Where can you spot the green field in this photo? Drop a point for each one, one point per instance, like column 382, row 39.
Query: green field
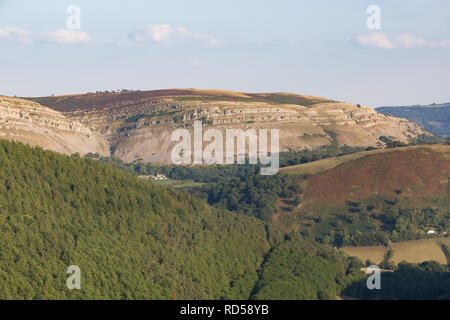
column 415, row 251
column 178, row 183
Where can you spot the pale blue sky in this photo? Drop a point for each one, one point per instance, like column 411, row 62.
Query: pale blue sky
column 320, row 47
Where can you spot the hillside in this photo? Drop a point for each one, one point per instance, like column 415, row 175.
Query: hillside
column 372, row 197
column 315, row 167
column 31, row 123
column 135, row 240
column 415, row 173
column 433, row 118
column 138, row 124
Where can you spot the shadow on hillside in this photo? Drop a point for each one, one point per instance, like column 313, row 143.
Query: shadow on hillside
column 407, row 282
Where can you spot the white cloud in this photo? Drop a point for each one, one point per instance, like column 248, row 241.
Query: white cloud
column 442, row 43
column 376, row 40
column 14, row 34
column 160, row 33
column 60, row 36
column 208, row 40
column 382, row 41
column 153, row 33
column 66, row 36
column 408, row 41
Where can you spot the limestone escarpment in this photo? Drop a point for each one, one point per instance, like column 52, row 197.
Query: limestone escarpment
column 138, row 125
column 31, row 123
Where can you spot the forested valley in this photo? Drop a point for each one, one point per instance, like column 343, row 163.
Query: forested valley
column 134, row 239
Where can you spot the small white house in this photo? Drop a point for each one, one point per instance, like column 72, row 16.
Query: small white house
column 157, row 177
column 431, row 232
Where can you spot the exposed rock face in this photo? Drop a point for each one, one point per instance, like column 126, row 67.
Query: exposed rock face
column 31, row 123
column 138, row 125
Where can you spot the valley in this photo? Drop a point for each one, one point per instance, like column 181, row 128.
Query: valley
column 354, row 185
column 362, row 198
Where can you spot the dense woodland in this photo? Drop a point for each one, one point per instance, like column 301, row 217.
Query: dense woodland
column 135, row 240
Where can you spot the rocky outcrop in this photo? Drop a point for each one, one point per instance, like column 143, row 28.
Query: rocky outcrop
column 31, row 123
column 138, row 125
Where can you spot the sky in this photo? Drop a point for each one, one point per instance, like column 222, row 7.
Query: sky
column 395, row 55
